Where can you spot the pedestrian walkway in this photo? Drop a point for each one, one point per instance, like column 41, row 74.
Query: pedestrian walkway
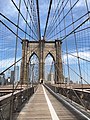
column 36, row 108
column 43, row 106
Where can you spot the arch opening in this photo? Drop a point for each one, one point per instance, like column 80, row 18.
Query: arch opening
column 50, row 54
column 33, row 69
column 49, row 68
column 34, row 54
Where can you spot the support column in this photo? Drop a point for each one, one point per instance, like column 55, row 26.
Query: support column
column 24, row 65
column 58, row 66
column 41, row 62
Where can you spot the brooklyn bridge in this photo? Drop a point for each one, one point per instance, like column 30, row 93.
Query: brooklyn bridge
column 44, row 59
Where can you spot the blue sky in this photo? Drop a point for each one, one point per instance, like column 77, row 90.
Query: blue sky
column 7, row 48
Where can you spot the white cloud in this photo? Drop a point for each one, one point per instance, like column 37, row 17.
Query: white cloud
column 4, row 49
column 7, row 8
column 5, row 63
column 8, row 49
column 73, row 60
column 82, row 3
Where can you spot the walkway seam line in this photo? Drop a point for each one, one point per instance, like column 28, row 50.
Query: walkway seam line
column 51, row 109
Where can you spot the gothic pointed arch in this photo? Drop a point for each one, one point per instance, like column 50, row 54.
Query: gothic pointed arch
column 49, row 53
column 34, row 53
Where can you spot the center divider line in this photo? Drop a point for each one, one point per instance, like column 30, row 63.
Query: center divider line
column 51, row 109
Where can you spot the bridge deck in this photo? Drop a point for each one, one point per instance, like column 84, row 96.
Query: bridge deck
column 43, row 106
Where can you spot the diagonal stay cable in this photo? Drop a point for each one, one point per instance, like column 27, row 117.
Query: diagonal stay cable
column 16, row 25
column 68, row 25
column 47, row 17
column 72, row 30
column 22, row 58
column 73, row 89
column 39, row 31
column 11, row 30
column 78, row 57
column 29, row 14
column 23, row 18
column 17, row 61
column 77, row 74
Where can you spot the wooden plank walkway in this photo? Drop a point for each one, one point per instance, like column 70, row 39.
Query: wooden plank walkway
column 40, row 108
column 36, row 108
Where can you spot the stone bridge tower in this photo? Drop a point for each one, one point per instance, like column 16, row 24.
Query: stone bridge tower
column 41, row 48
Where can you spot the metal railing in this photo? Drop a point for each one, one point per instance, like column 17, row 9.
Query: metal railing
column 19, row 99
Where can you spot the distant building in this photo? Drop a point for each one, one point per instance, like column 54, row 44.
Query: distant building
column 48, row 77
column 2, row 79
column 9, row 73
column 76, row 82
column 12, row 77
column 16, row 73
column 51, row 78
column 68, row 81
column 80, row 82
